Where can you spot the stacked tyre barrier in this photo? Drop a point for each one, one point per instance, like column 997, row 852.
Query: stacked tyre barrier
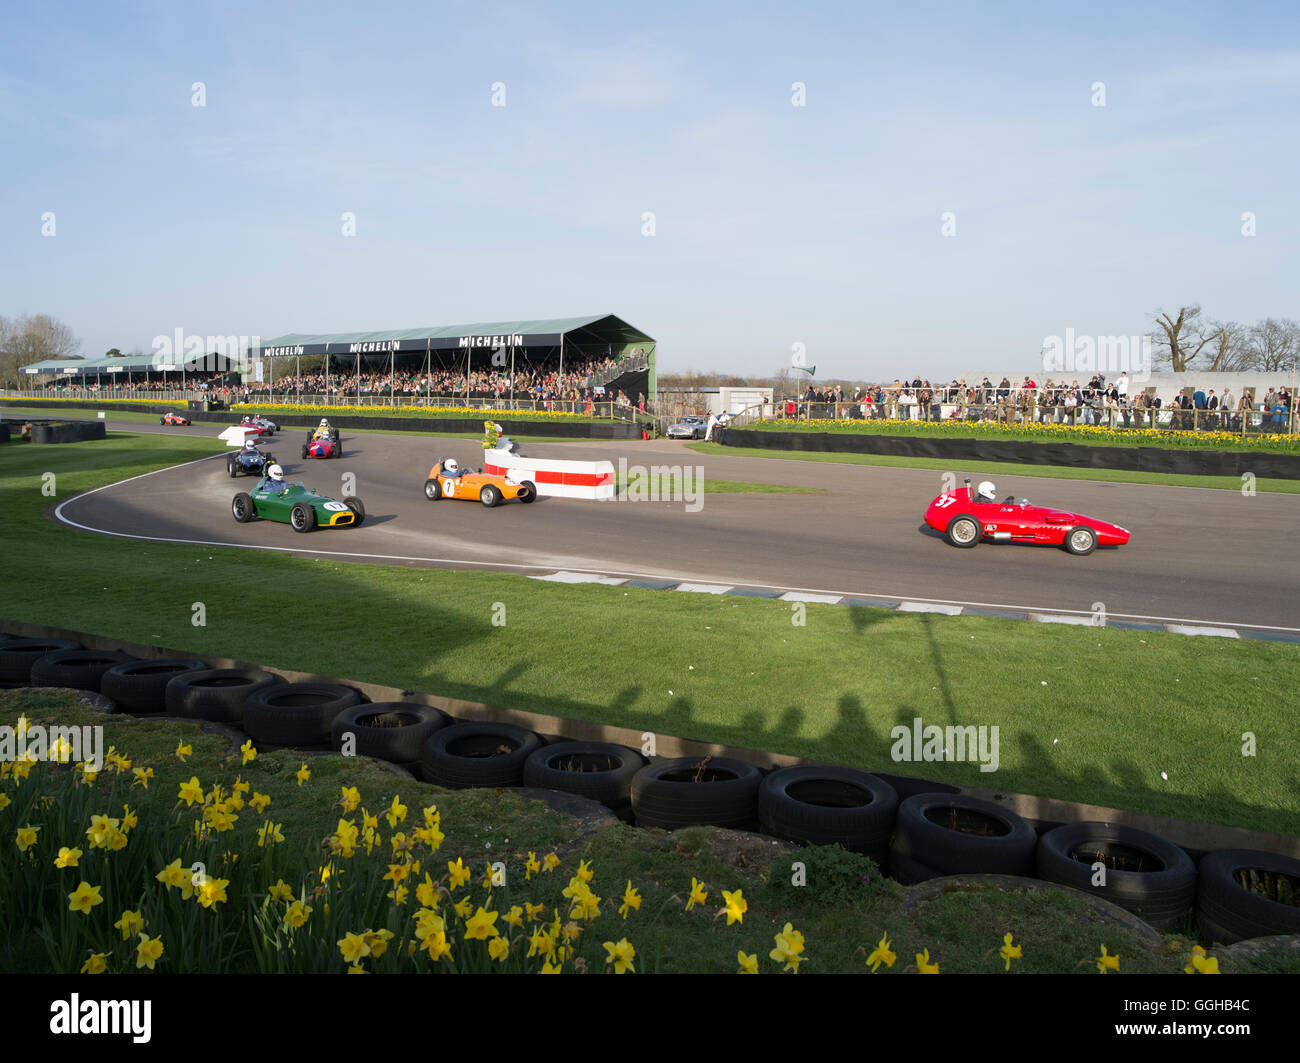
column 1232, row 895
column 68, row 432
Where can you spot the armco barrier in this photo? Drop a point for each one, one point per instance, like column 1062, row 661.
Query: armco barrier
column 1187, row 462
column 563, row 479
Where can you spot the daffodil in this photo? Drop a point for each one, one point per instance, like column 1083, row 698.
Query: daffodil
column 1107, row 962
column 463, row 907
column 350, row 799
column 427, row 893
column 190, row 792
column 249, row 751
column 459, row 873
column 378, row 941
column 67, row 857
column 697, row 895
column 584, row 871
column 302, row 774
column 298, row 913
column 95, row 963
column 498, row 949
column 269, row 834
column 531, row 867
column 148, row 951
column 183, row 751
column 281, row 891
column 353, row 947
column 514, row 917
column 881, row 954
column 736, row 906
column 923, row 964
column 533, row 911
column 1201, row 963
column 631, row 900
column 1009, row 951
column 142, row 776
column 396, row 812
column 550, row 862
column 129, row 819
column 789, row 949
column 748, row 962
column 620, row 954
column 259, row 802
column 212, row 891
column 84, row 898
column 130, row 924
column 26, row 837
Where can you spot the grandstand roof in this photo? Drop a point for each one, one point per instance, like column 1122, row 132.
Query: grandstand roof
column 597, row 329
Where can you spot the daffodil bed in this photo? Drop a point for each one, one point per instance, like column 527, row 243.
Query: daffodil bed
column 188, row 853
column 693, row 665
column 1092, row 435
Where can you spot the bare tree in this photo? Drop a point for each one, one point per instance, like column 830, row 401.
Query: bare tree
column 1273, row 344
column 1228, row 350
column 1180, row 338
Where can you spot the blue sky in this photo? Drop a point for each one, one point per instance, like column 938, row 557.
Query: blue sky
column 775, row 224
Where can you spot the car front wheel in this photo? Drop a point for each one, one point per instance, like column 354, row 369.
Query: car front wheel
column 432, row 491
column 242, row 508
column 489, row 496
column 1081, row 541
column 963, row 531
column 302, row 517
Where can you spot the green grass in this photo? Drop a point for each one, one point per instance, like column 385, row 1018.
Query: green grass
column 672, row 487
column 1006, row 468
column 841, row 916
column 1118, row 708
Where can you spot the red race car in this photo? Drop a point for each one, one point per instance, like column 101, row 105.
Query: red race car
column 173, row 418
column 966, row 516
column 330, row 446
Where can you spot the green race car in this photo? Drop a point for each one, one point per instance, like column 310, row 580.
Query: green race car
column 296, row 505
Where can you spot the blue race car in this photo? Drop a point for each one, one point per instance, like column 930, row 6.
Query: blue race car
column 248, row 460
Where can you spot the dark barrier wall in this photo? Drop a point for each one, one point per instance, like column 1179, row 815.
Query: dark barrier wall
column 566, row 429
column 1063, row 455
column 4, row 432
column 68, row 432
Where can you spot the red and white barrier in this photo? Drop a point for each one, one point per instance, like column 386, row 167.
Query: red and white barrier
column 563, row 479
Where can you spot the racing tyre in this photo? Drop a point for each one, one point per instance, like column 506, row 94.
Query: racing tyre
column 338, row 450
column 1246, row 894
column 827, row 805
column 390, row 730
column 598, row 770
column 216, row 694
column 17, row 655
column 302, row 517
column 242, row 508
column 467, row 755
column 963, row 530
column 296, row 714
column 489, row 496
column 304, row 450
column 355, row 505
column 1081, row 540
column 529, row 492
column 687, row 791
column 1145, row 874
column 162, row 420
column 959, row 835
column 140, row 687
column 432, row 491
column 908, row 872
column 78, row 669
column 232, row 469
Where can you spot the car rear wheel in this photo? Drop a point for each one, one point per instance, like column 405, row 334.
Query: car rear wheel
column 355, row 505
column 489, row 496
column 231, row 468
column 963, row 531
column 1081, row 540
column 528, row 492
column 432, row 491
column 304, row 450
column 242, row 508
column 338, row 450
column 302, row 517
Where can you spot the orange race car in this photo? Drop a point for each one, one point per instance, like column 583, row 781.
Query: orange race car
column 448, row 480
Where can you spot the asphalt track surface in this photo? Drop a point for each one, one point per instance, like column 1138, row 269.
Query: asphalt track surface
column 1197, row 556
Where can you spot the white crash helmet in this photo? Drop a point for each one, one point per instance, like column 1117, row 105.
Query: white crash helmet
column 324, row 423
column 987, row 490
column 450, row 465
column 275, row 472
column 250, row 444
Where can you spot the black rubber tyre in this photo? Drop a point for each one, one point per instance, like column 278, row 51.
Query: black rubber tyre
column 241, row 507
column 304, row 450
column 338, row 449
column 489, row 496
column 908, row 872
column 78, row 669
column 356, row 506
column 232, row 468
column 601, row 771
column 17, row 655
column 1160, row 888
column 963, row 531
column 531, row 488
column 334, row 435
column 162, row 420
column 296, row 714
column 390, row 730
column 302, row 518
column 919, row 835
column 432, row 490
column 665, row 794
column 217, row 694
column 827, row 805
column 140, row 687
column 1222, row 904
column 467, row 755
column 1080, row 540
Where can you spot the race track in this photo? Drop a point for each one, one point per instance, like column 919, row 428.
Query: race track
column 1198, row 556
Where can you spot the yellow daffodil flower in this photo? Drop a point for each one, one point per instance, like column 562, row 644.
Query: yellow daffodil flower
column 748, row 962
column 259, row 802
column 84, row 898
column 1009, row 951
column 498, row 949
column 697, row 895
column 183, row 751
column 353, row 947
column 95, row 963
column 302, row 774
column 26, row 837
column 1201, row 963
column 736, row 906
column 298, row 913
column 67, row 857
column 190, row 792
column 130, row 924
column 531, row 867
column 620, row 954
column 249, row 751
column 631, row 900
column 881, row 954
column 212, row 891
column 550, row 862
column 459, row 873
column 396, row 812
column 350, row 799
column 1107, row 962
column 148, row 951
column 923, row 964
